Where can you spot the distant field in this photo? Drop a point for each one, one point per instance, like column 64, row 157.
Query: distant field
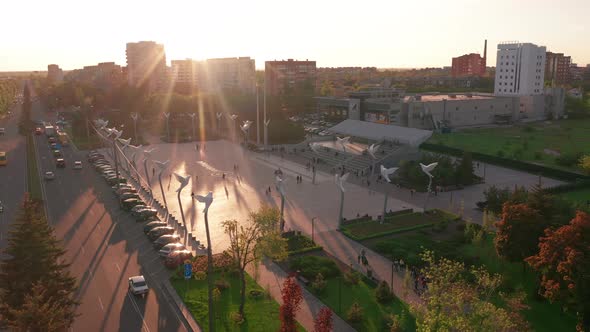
column 538, row 142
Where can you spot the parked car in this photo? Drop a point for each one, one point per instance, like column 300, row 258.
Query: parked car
column 159, row 231
column 38, row 131
column 139, row 207
column 170, row 247
column 122, row 186
column 77, row 164
column 177, row 257
column 144, row 214
column 52, row 140
column 60, row 162
column 57, row 153
column 95, row 158
column 138, row 286
column 112, row 180
column 49, row 175
column 165, row 239
column 128, row 204
column 127, row 195
column 153, row 224
column 53, row 146
column 124, row 190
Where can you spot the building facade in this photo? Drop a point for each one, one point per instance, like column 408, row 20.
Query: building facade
column 230, row 75
column 146, row 65
column 557, row 68
column 289, row 76
column 520, row 69
column 185, row 72
column 469, row 65
column 54, row 73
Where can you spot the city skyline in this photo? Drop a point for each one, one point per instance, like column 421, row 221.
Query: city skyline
column 380, row 34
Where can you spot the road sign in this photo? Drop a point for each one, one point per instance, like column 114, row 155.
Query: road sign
column 188, row 271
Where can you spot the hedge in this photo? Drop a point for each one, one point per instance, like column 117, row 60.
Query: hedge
column 367, row 218
column 305, row 250
column 391, row 232
column 509, row 163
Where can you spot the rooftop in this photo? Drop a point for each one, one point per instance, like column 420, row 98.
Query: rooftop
column 451, row 96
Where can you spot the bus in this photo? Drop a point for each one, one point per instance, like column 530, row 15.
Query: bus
column 63, row 138
column 3, row 158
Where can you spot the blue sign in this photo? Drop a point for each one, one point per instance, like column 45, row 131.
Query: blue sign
column 188, row 271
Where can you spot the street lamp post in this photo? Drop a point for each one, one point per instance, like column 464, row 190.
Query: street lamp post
column 208, row 200
column 135, row 116
column 183, row 183
column 117, row 134
column 371, row 151
column 385, row 173
column 162, row 166
column 257, row 117
column 148, row 154
column 245, row 127
column 192, row 115
column 218, row 117
column 280, row 185
column 167, row 116
column 340, row 184
column 427, row 169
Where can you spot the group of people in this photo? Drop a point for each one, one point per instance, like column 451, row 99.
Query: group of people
column 299, row 179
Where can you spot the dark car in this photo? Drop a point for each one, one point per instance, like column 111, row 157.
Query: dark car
column 153, row 224
column 57, row 153
column 53, row 146
column 125, row 190
column 165, row 239
column 177, row 257
column 38, row 131
column 159, row 231
column 127, row 195
column 95, row 157
column 144, row 214
column 128, row 204
column 52, row 140
column 60, row 162
column 113, row 180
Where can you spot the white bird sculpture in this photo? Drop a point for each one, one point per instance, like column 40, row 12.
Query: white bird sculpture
column 233, row 117
column 372, row 150
column 315, row 147
column 125, row 143
column 246, row 126
column 205, row 199
column 428, row 169
column 102, row 123
column 280, row 185
column 386, row 172
column 340, row 181
column 183, row 181
column 266, row 123
column 219, row 115
column 162, row 165
column 148, row 152
column 117, row 133
column 343, row 141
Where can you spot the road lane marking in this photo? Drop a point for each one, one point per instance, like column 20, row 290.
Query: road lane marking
column 118, row 268
column 100, row 302
column 136, row 307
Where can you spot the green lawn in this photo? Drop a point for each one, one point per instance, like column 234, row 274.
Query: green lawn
column 261, row 314
column 525, row 143
column 364, row 230
column 580, row 196
column 339, row 297
column 542, row 315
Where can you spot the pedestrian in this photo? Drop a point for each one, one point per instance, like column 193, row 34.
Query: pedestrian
column 153, row 172
column 269, row 191
column 223, row 176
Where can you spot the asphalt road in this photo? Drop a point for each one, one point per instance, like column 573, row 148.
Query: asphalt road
column 105, row 246
column 13, row 175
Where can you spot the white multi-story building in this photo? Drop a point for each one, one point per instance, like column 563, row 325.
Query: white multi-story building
column 520, row 69
column 146, row 64
column 231, row 74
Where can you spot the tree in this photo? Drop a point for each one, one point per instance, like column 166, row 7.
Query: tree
column 460, row 299
column 538, row 199
column 250, row 243
column 323, row 321
column 495, row 198
column 464, row 170
column 319, row 284
column 585, row 163
column 383, row 292
column 34, row 273
column 292, row 297
column 518, row 232
column 564, row 261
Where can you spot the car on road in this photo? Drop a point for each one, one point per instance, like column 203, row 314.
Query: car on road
column 38, row 131
column 2, row 131
column 60, row 162
column 49, row 175
column 1, row 207
column 170, row 247
column 125, row 190
column 139, row 207
column 57, row 153
column 123, row 186
column 153, row 224
column 177, row 257
column 3, row 161
column 53, row 146
column 77, row 164
column 138, row 286
column 113, row 180
column 125, row 196
column 165, row 239
column 52, row 140
column 128, row 204
column 155, row 233
column 144, row 214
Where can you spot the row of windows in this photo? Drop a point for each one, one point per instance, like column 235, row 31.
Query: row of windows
column 507, row 63
column 512, row 77
column 507, row 57
column 505, row 83
column 502, row 70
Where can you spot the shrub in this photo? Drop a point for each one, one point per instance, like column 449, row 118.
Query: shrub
column 568, row 159
column 200, row 275
column 352, row 277
column 528, row 129
column 355, row 314
column 237, row 318
column 538, row 155
column 383, row 292
column 310, row 266
column 319, row 284
column 221, row 284
column 500, row 153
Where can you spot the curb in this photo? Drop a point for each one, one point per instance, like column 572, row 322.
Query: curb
column 192, row 323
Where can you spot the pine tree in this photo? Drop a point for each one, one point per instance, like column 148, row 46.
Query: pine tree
column 35, row 262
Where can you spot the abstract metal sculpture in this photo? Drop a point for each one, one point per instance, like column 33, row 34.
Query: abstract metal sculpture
column 428, row 170
column 183, row 180
column 386, row 173
column 339, row 180
column 245, row 127
column 371, row 151
column 343, row 142
column 162, row 166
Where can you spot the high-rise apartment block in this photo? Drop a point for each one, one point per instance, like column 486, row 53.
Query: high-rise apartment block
column 520, row 69
column 54, row 73
column 282, row 76
column 185, row 72
column 233, row 75
column 471, row 64
column 146, row 64
column 557, row 68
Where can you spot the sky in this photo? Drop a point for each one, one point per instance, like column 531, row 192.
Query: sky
column 384, row 34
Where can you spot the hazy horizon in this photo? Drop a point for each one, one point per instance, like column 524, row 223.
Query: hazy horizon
column 380, row 34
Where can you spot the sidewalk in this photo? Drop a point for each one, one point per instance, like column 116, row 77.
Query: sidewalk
column 271, row 278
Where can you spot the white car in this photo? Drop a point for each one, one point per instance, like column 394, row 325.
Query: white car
column 137, row 208
column 49, row 175
column 77, row 164
column 2, row 131
column 138, row 286
column 170, row 247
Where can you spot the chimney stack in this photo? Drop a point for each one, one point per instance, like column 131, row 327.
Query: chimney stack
column 485, row 52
